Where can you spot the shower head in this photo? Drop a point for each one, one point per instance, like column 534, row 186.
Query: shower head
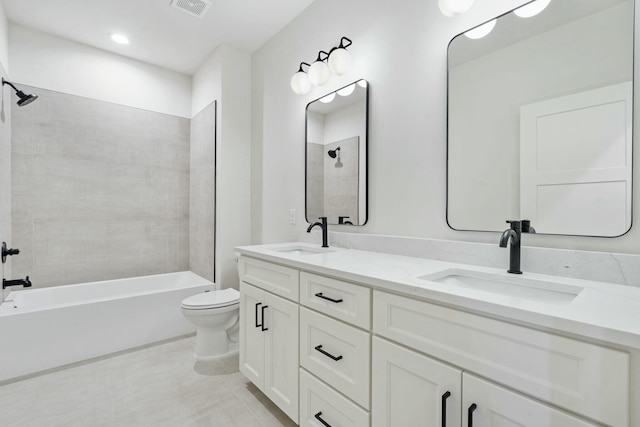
column 24, row 98
column 334, row 153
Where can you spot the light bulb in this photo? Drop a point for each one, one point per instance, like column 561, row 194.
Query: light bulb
column 340, row 61
column 346, row 91
column 319, row 73
column 362, row 83
column 327, row 99
column 532, row 9
column 452, row 8
column 300, row 83
column 481, row 31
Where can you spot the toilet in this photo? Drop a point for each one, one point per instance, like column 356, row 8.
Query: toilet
column 215, row 314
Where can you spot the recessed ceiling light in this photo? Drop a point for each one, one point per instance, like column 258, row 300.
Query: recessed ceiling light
column 119, row 38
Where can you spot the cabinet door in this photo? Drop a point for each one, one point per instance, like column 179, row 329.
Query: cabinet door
column 251, row 334
column 498, row 407
column 281, row 354
column 410, row 389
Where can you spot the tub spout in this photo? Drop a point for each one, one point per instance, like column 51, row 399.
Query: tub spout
column 25, row 283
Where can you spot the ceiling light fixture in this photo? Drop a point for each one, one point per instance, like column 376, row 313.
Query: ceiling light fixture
column 338, row 61
column 119, row 38
column 481, row 30
column 532, row 9
column 452, row 8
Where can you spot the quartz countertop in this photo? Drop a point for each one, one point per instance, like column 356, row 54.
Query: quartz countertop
column 601, row 311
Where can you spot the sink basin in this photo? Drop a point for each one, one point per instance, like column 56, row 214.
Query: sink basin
column 532, row 289
column 303, row 250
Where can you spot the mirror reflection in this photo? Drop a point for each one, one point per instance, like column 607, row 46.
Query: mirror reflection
column 336, row 156
column 540, row 120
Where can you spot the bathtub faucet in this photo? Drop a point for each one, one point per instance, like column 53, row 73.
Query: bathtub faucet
column 25, row 283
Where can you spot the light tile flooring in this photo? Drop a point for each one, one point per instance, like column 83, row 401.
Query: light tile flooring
column 160, row 385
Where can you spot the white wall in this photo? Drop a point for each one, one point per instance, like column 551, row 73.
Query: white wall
column 225, row 77
column 4, row 39
column 401, row 50
column 42, row 60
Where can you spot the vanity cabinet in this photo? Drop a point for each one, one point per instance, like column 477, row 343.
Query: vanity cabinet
column 269, row 334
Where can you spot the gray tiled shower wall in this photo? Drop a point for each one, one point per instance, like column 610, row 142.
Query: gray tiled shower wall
column 100, row 191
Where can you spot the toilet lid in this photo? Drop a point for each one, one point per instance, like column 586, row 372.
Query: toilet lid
column 212, row 299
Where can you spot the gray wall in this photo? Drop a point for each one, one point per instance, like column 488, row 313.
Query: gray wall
column 100, row 191
column 5, row 174
column 202, row 193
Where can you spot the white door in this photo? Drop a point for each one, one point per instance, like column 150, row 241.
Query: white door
column 490, row 405
column 281, row 353
column 575, row 162
column 409, row 389
column 251, row 334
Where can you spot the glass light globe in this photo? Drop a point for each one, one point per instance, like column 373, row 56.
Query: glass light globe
column 532, row 9
column 319, row 73
column 481, row 31
column 346, row 91
column 452, row 8
column 340, row 61
column 327, row 99
column 300, row 83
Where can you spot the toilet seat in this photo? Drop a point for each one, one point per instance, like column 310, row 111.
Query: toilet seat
column 213, row 299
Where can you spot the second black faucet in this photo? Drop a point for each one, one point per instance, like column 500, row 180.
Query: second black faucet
column 323, row 224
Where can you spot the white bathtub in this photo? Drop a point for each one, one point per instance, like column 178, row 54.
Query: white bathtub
column 46, row 328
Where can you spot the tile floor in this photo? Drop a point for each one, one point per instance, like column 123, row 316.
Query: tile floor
column 160, row 385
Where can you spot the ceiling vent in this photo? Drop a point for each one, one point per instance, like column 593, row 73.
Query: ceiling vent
column 193, row 7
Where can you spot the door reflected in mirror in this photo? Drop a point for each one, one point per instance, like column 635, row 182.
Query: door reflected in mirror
column 540, row 121
column 336, row 156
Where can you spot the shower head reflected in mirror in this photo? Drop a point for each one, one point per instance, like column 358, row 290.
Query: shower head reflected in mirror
column 24, row 99
column 334, row 153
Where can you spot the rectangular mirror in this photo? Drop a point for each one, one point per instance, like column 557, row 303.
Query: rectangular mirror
column 336, row 156
column 540, row 115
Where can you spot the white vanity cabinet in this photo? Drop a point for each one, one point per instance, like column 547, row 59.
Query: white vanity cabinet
column 269, row 333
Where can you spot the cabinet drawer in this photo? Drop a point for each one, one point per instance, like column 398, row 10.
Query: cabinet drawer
column 345, row 301
column 274, row 278
column 582, row 377
column 319, row 400
column 336, row 353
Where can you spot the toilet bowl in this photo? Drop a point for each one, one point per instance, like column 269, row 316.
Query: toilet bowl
column 215, row 315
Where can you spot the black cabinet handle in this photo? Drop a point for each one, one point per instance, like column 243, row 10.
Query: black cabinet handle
column 324, row 423
column 444, row 408
column 263, row 308
column 470, row 414
column 258, row 325
column 331, row 356
column 319, row 295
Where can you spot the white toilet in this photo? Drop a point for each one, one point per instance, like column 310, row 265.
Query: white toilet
column 215, row 314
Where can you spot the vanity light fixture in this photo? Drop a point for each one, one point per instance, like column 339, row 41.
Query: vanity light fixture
column 532, row 9
column 452, row 8
column 328, row 98
column 481, row 30
column 346, row 91
column 337, row 61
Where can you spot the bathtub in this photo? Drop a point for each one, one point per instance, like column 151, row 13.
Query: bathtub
column 46, row 328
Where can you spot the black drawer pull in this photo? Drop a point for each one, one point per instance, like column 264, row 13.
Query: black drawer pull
column 324, row 423
column 470, row 414
column 331, row 356
column 319, row 295
column 444, row 408
column 258, row 325
column 263, row 308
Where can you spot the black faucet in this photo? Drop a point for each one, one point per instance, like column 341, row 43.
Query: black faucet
column 323, row 224
column 343, row 220
column 513, row 235
column 25, row 283
column 8, row 252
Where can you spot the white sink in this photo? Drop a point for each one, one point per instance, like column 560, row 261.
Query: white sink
column 516, row 286
column 303, row 250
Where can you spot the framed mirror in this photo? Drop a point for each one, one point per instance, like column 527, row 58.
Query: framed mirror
column 540, row 119
column 336, row 156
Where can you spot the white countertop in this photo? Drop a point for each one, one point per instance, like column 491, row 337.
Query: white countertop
column 601, row 311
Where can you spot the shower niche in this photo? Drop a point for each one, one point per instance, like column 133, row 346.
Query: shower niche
column 336, row 156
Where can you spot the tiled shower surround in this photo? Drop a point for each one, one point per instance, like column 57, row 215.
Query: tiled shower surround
column 100, row 191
